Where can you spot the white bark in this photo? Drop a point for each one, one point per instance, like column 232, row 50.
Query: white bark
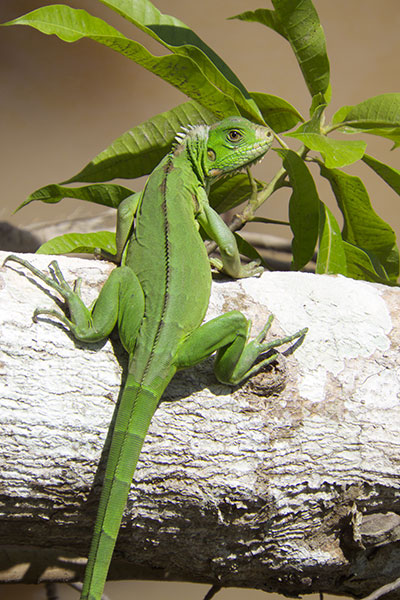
column 291, row 490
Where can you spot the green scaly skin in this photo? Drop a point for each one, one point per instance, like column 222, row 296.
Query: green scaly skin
column 159, row 296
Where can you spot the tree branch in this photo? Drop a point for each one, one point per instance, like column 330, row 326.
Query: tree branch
column 288, row 483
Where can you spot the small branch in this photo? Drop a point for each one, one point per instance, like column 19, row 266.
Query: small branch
column 52, row 591
column 78, row 587
column 280, row 141
column 385, row 589
column 213, row 591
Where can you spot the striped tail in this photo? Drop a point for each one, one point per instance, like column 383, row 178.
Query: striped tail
column 136, row 409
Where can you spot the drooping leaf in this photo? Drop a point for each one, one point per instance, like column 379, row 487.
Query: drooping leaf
column 277, row 113
column 392, row 264
column 390, row 133
column 336, row 153
column 248, row 250
column 71, row 24
column 298, row 22
column 331, row 258
column 364, row 265
column 137, row 151
column 181, row 40
column 379, row 115
column 82, row 243
column 303, row 209
column 390, row 175
column 362, row 226
column 105, row 194
column 226, row 194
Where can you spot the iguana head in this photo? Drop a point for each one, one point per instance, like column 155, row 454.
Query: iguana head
column 225, row 147
column 233, row 144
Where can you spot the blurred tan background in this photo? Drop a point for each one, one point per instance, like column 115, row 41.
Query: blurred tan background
column 61, row 104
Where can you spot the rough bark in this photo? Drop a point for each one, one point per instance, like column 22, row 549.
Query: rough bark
column 289, row 483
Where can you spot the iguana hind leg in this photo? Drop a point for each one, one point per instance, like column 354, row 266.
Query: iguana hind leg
column 237, row 358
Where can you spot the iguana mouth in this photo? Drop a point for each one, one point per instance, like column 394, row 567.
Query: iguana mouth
column 263, row 147
column 260, row 151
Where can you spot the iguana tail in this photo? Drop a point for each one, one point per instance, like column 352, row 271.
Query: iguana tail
column 135, row 411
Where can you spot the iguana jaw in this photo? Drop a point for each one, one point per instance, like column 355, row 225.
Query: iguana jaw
column 260, row 151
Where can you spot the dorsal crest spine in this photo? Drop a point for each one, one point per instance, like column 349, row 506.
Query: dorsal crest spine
column 190, row 131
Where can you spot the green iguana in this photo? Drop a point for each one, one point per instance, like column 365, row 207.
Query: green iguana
column 159, row 296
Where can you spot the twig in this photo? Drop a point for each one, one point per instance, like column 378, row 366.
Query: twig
column 52, row 591
column 78, row 586
column 385, row 589
column 212, row 591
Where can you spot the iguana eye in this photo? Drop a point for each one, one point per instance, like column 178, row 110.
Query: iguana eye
column 234, row 135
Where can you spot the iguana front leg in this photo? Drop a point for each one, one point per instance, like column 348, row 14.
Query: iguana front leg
column 218, row 231
column 126, row 212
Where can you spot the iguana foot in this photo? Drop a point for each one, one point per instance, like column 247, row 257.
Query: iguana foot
column 56, row 281
column 251, row 269
column 256, row 348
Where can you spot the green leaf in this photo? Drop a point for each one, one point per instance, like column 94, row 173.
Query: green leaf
column 320, row 99
column 183, row 41
column 379, row 115
column 83, row 243
column 392, row 134
column 137, row 151
column 229, row 193
column 363, row 265
column 340, row 115
column 336, row 153
column 331, row 257
column 277, row 113
column 362, row 226
column 105, row 194
column 264, row 16
column 392, row 264
column 390, row 175
column 378, row 111
column 248, row 250
column 180, row 71
column 298, row 22
column 314, row 125
column 303, row 209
